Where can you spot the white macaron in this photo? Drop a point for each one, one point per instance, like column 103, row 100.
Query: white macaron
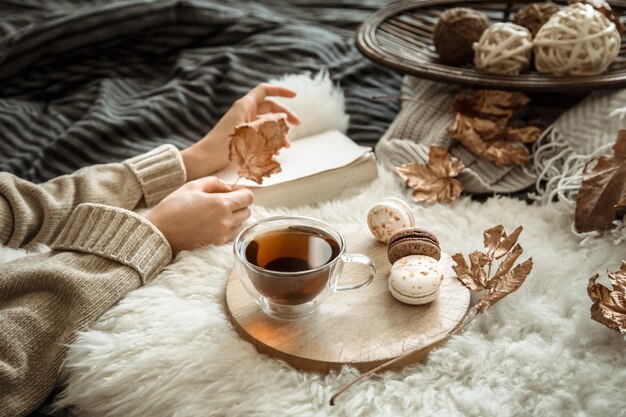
column 415, row 279
column 388, row 216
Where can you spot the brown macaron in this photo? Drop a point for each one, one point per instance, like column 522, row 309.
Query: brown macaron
column 412, row 241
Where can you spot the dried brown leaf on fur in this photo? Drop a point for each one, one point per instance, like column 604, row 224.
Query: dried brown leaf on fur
column 506, row 279
column 609, row 306
column 434, row 181
column 254, row 144
column 603, row 190
column 481, row 125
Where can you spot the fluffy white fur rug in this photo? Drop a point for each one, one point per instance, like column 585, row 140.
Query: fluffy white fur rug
column 168, row 348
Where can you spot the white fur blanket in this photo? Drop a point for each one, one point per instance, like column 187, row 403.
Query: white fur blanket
column 168, row 348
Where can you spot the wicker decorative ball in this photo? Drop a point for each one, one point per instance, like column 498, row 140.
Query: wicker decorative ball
column 455, row 32
column 578, row 40
column 534, row 15
column 504, row 48
column 603, row 7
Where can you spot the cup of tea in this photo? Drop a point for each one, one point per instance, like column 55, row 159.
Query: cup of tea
column 291, row 264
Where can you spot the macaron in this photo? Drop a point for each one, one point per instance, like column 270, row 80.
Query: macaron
column 415, row 279
column 413, row 241
column 388, row 216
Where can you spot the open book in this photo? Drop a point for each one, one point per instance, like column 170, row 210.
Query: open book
column 314, row 169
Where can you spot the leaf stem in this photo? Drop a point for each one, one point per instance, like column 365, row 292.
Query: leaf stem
column 236, row 181
column 466, row 320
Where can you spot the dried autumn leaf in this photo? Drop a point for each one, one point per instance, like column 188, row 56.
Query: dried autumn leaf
column 434, row 181
column 603, row 188
column 527, row 134
column 508, row 262
column 609, row 306
column 480, row 137
column 498, row 103
column 507, row 243
column 492, row 238
column 503, row 285
column 506, row 278
column 503, row 153
column 481, row 125
column 254, row 144
column 464, row 275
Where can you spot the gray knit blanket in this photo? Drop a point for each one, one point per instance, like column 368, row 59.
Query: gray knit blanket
column 94, row 81
column 575, row 135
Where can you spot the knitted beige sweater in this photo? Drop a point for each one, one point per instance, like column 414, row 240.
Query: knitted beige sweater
column 100, row 252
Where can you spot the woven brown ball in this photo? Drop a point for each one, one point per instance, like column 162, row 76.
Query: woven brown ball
column 455, row 32
column 534, row 15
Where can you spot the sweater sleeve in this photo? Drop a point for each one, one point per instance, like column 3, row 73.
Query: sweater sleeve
column 31, row 214
column 101, row 254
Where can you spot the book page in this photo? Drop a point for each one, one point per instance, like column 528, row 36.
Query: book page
column 305, row 157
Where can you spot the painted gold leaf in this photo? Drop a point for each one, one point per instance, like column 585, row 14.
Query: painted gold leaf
column 503, row 285
column 434, row 181
column 492, row 237
column 508, row 262
column 609, row 306
column 506, row 278
column 253, row 146
column 507, row 243
column 464, row 275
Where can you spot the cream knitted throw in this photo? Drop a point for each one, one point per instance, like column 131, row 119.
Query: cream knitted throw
column 560, row 155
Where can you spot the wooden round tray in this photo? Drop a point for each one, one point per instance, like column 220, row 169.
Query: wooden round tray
column 399, row 36
column 361, row 328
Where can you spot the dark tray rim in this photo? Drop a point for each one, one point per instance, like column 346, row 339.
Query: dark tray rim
column 365, row 41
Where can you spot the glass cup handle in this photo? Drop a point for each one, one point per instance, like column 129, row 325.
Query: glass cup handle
column 357, row 259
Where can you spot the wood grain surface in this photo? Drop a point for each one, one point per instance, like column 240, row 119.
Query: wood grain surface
column 361, row 328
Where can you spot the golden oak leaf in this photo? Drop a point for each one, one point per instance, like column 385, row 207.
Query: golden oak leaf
column 434, row 181
column 254, row 144
column 609, row 306
column 502, row 285
column 603, row 190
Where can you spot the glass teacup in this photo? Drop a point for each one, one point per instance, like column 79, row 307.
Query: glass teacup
column 291, row 264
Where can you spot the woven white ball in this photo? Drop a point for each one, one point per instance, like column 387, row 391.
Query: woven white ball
column 578, row 40
column 503, row 48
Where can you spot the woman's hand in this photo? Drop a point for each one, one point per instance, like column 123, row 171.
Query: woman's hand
column 200, row 213
column 210, row 154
